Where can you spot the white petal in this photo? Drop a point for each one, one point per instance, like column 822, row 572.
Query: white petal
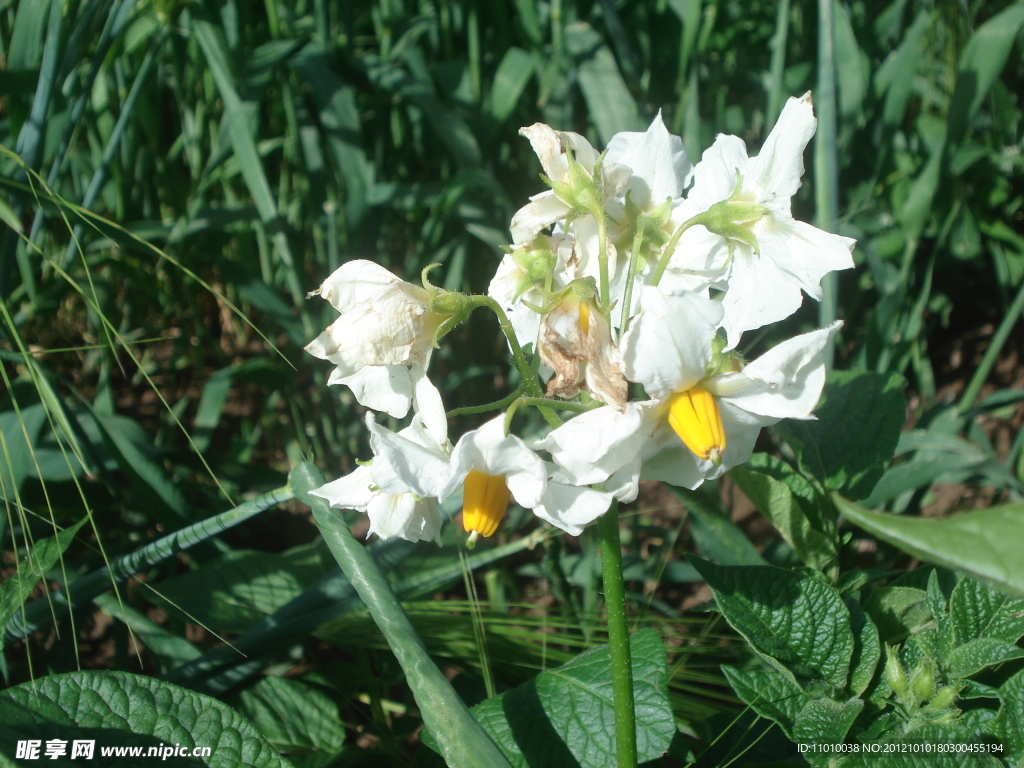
column 386, row 388
column 805, row 252
column 777, row 170
column 591, row 447
column 407, row 461
column 405, row 516
column 784, row 383
column 550, row 146
column 541, row 212
column 714, row 177
column 353, row 491
column 760, row 292
column 355, row 282
column 489, row 451
column 658, row 161
column 429, row 406
column 571, row 507
column 675, row 465
column 668, row 346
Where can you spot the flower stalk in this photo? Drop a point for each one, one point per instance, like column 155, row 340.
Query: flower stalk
column 618, row 637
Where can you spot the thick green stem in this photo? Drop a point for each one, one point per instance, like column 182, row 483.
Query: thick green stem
column 618, row 637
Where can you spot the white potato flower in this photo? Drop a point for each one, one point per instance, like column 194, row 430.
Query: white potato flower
column 398, row 489
column 749, row 235
column 382, row 342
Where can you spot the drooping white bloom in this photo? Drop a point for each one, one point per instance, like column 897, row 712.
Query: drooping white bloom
column 768, row 257
column 381, row 344
column 398, row 489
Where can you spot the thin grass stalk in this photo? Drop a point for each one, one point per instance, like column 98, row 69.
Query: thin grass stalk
column 992, row 353
column 618, row 637
column 462, row 742
column 88, row 587
column 826, row 162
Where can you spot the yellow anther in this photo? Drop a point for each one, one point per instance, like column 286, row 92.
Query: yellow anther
column 484, row 501
column 694, row 416
column 584, row 321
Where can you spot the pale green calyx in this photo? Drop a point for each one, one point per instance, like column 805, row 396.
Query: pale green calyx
column 722, row 361
column 451, row 308
column 582, row 191
column 536, row 261
column 734, row 218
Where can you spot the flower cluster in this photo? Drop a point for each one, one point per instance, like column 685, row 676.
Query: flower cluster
column 632, row 279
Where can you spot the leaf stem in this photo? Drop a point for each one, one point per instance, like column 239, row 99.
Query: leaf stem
column 618, row 637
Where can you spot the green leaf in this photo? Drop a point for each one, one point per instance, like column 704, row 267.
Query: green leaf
column 297, row 719
column 1011, row 718
column 716, row 536
column 855, row 435
column 826, row 720
column 241, row 587
column 980, row 64
column 43, row 555
column 510, row 79
column 19, row 432
column 867, row 648
column 974, row 655
column 121, row 709
column 787, row 499
column 173, row 649
column 985, row 543
column 769, row 693
column 462, row 742
column 561, row 718
column 609, row 103
column 147, row 476
column 898, row 611
column 798, row 624
column 978, row 611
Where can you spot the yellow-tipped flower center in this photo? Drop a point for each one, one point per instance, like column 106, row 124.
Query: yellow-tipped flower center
column 484, row 501
column 694, row 416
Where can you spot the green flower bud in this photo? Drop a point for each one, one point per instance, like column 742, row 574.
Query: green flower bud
column 895, row 674
column 945, row 697
column 922, row 682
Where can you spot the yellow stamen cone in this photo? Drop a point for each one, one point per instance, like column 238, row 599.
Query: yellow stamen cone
column 484, row 501
column 694, row 416
column 583, row 324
